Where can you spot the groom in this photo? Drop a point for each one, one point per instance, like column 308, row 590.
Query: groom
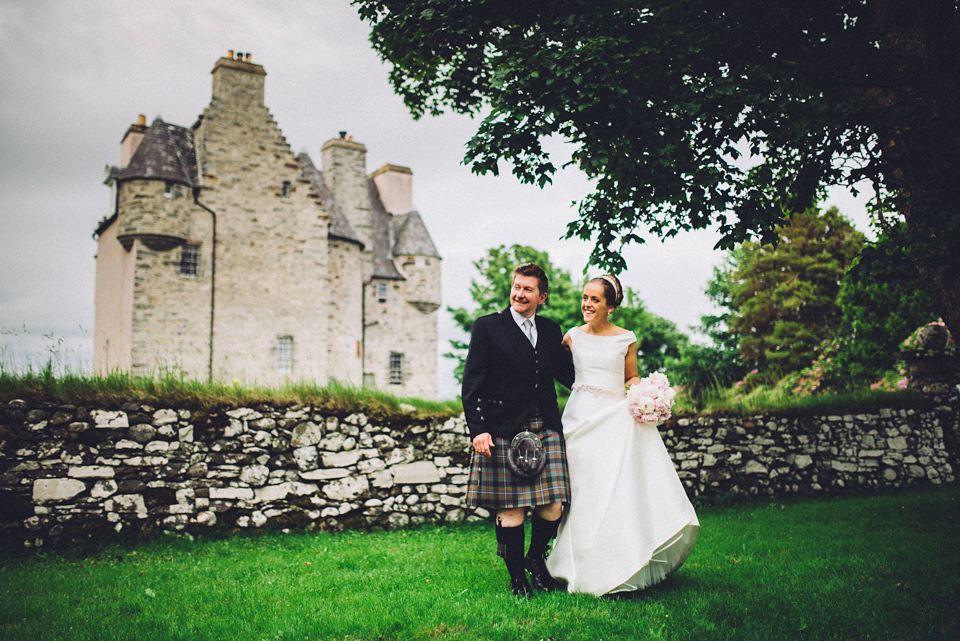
column 513, row 359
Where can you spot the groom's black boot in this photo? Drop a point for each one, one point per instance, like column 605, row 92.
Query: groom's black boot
column 510, row 549
column 541, row 533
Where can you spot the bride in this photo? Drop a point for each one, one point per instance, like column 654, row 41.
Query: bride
column 630, row 522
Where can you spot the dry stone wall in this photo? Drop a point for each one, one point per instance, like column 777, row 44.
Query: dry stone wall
column 70, row 472
column 775, row 456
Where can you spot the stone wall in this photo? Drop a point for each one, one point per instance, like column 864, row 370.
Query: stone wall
column 775, row 456
column 71, row 472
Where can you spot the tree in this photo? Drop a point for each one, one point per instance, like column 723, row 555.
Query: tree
column 658, row 340
column 881, row 303
column 783, row 296
column 688, row 113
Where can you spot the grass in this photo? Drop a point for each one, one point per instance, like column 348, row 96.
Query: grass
column 860, row 402
column 768, row 400
column 880, row 567
column 172, row 390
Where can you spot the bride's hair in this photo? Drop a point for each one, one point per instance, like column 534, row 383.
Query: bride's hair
column 612, row 291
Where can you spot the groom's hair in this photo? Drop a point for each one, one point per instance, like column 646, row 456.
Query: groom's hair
column 532, row 269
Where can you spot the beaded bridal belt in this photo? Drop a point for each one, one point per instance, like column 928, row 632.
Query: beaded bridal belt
column 606, row 392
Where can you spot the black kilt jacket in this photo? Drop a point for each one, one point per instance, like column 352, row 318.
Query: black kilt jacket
column 505, row 378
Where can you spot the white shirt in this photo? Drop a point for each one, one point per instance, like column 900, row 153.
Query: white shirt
column 520, row 321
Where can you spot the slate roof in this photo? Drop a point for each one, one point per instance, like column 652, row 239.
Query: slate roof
column 166, row 152
column 339, row 225
column 411, row 237
column 381, row 236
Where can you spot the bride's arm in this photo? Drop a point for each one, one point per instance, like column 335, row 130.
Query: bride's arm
column 630, row 366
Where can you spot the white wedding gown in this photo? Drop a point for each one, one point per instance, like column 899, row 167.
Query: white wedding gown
column 630, row 522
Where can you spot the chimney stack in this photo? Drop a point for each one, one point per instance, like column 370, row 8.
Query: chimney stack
column 237, row 82
column 131, row 140
column 345, row 172
column 395, row 185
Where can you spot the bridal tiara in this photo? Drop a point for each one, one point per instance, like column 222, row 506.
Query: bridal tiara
column 613, row 281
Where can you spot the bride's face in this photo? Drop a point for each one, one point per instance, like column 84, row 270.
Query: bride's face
column 594, row 303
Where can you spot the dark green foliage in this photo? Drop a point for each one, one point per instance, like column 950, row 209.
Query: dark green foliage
column 783, row 297
column 882, row 303
column 698, row 112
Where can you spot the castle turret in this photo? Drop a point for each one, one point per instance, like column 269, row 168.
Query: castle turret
column 418, row 260
column 153, row 201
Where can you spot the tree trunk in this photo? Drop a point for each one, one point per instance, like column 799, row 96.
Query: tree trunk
column 943, row 284
column 917, row 122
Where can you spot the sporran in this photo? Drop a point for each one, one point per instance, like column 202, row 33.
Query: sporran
column 527, row 456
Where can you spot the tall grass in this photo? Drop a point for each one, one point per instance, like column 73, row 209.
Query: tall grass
column 719, row 400
column 173, row 390
column 883, row 567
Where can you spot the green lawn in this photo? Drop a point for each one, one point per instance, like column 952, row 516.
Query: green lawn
column 882, row 567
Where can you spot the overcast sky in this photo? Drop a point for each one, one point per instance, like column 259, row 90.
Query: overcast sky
column 74, row 75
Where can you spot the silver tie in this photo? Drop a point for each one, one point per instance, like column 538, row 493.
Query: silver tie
column 528, row 328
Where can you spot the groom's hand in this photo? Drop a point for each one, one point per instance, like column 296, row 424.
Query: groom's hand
column 483, row 443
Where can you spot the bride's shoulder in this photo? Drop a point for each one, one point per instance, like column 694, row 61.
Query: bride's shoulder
column 624, row 332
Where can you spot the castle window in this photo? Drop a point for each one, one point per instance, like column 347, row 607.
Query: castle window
column 285, row 190
column 284, row 350
column 171, row 189
column 382, row 292
column 190, row 260
column 396, row 368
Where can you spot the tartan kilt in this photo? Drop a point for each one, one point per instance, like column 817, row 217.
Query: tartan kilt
column 492, row 485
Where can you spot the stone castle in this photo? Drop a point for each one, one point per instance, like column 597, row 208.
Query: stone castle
column 227, row 257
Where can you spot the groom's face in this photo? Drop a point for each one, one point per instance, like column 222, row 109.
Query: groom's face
column 525, row 296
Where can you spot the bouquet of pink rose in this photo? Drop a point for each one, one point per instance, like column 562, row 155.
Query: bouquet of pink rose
column 650, row 400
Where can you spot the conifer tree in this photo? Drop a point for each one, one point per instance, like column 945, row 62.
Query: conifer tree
column 784, row 297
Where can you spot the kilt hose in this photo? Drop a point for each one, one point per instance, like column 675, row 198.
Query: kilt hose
column 492, row 485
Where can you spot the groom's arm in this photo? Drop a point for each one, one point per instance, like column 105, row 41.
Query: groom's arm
column 565, row 374
column 565, row 369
